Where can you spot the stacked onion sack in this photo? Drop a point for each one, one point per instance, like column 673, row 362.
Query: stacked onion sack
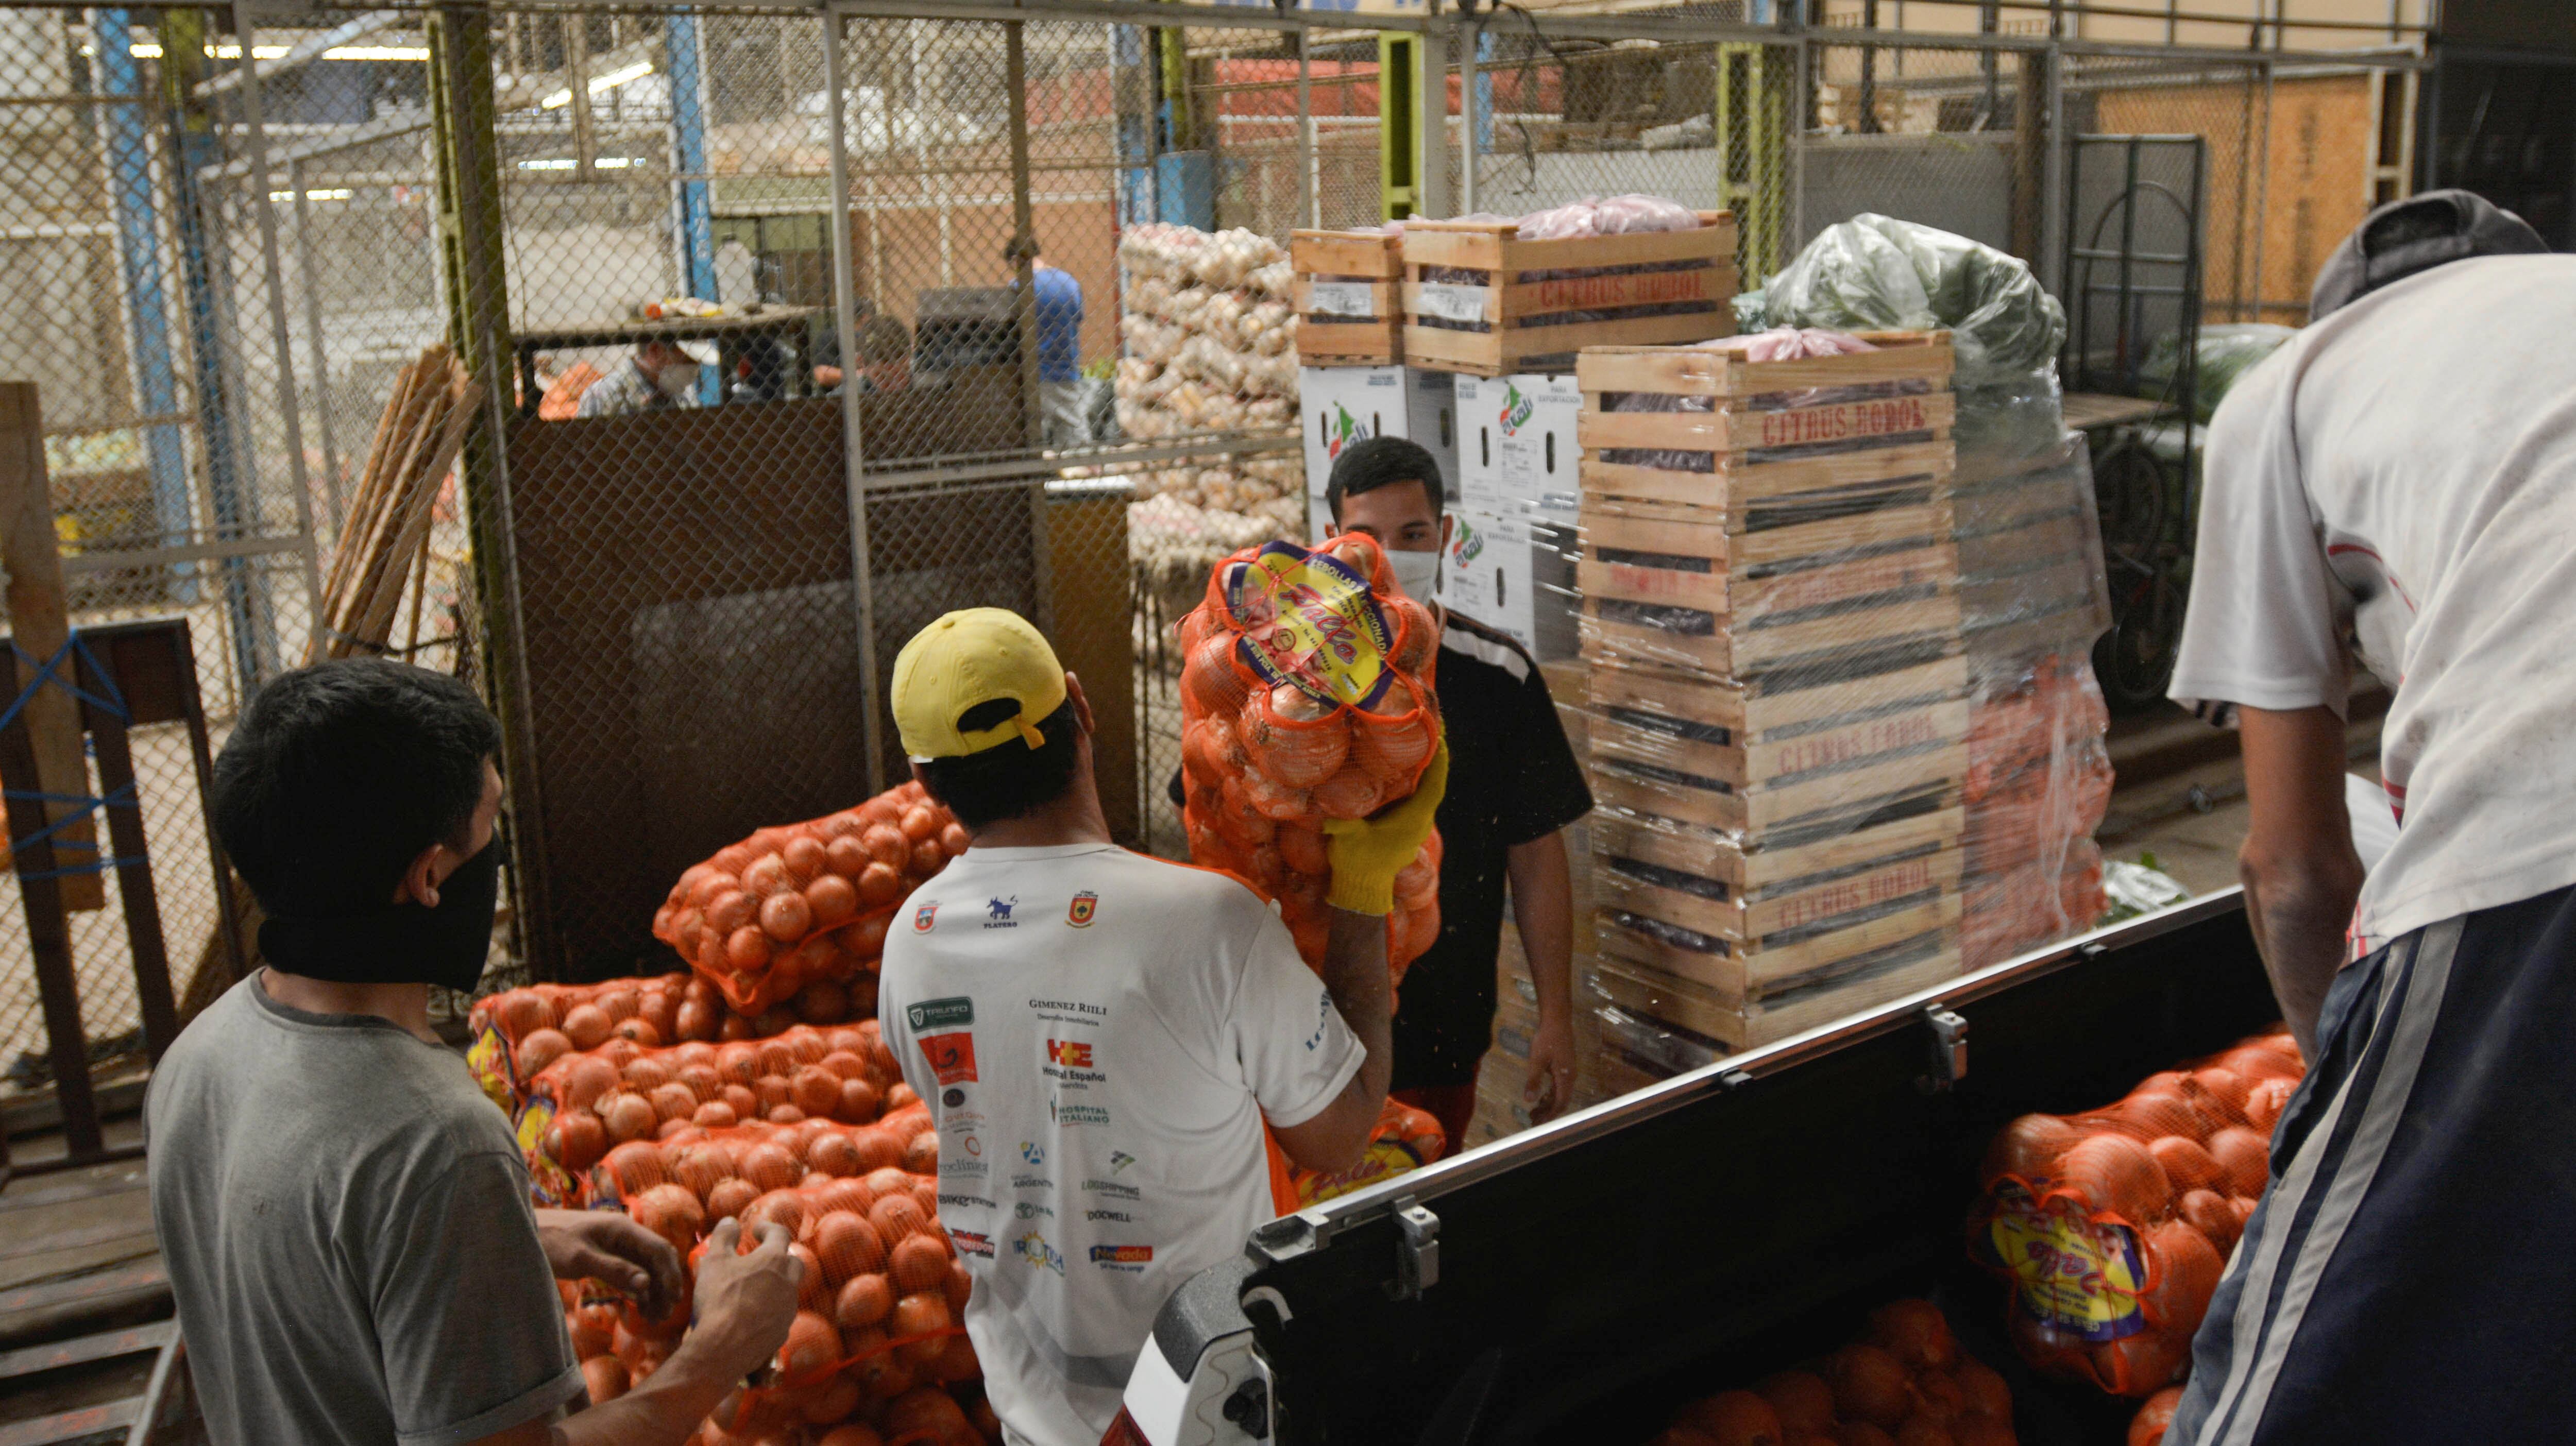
column 518, row 1032
column 1306, row 695
column 803, row 908
column 2147, row 1428
column 877, row 1353
column 1211, row 341
column 2112, row 1227
column 582, row 1106
column 1905, row 1382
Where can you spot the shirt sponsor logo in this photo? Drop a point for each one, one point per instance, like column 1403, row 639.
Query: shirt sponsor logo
column 1034, row 1249
column 1071, row 1006
column 1065, row 1114
column 963, row 1169
column 971, row 1242
column 1119, row 1160
column 1033, row 1152
column 1031, row 1182
column 1323, row 1017
column 952, row 1097
column 1112, row 1189
column 924, row 917
column 1085, row 905
column 1119, row 1216
column 946, row 1198
column 951, row 1057
column 948, row 1013
column 997, row 913
column 1031, row 1210
column 1071, row 1052
column 1121, row 1254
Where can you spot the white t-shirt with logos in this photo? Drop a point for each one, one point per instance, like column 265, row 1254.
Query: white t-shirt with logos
column 1099, row 1035
column 2401, row 479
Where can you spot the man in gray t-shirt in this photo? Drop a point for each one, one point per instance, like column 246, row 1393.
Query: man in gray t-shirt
column 345, row 1216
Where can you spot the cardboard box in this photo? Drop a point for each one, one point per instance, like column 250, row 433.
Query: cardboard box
column 1517, row 451
column 1514, row 573
column 1337, row 406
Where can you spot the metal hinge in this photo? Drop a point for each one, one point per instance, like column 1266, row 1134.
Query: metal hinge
column 1949, row 1045
column 1417, row 1249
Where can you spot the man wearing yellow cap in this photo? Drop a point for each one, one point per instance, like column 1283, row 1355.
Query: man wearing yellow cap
column 1102, row 1035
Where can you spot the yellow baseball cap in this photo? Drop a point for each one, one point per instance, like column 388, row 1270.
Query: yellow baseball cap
column 964, row 660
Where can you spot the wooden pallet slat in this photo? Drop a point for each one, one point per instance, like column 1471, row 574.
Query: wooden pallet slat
column 1757, row 706
column 73, row 1425
column 1746, row 765
column 1713, row 855
column 1737, row 1023
column 1693, row 371
column 104, row 1346
column 1812, row 799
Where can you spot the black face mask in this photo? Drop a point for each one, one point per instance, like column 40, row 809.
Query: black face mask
column 399, row 943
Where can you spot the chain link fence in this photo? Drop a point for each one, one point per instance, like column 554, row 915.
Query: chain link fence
column 801, row 328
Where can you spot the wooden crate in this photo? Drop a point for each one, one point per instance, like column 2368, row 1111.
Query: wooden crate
column 1515, row 309
column 1348, row 298
column 1791, row 907
column 1908, row 675
column 1740, row 1012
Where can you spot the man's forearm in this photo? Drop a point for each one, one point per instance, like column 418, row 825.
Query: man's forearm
column 1543, row 911
column 2299, row 917
column 1355, row 975
column 664, row 1410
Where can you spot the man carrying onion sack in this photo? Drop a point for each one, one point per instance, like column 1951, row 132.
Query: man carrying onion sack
column 1102, row 1035
column 2397, row 485
column 1514, row 788
column 345, row 1216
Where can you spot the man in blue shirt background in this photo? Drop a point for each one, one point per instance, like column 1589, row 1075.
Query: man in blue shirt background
column 1059, row 317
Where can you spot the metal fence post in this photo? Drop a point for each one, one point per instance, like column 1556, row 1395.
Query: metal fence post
column 853, row 423
column 138, row 249
column 1470, row 117
column 1309, row 201
column 298, row 197
column 2052, row 234
column 290, row 409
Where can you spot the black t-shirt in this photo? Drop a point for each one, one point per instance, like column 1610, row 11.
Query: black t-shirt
column 1512, row 778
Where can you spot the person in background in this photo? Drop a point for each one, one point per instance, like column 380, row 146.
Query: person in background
column 1059, row 319
column 1104, row 1035
column 655, row 376
column 884, row 347
column 346, row 1218
column 2397, row 485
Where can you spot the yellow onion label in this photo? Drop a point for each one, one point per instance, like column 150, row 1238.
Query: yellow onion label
column 550, row 1183
column 488, row 1060
column 1383, row 1160
column 2076, row 1274
column 1309, row 620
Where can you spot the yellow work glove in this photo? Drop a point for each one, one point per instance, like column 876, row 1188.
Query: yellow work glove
column 1367, row 853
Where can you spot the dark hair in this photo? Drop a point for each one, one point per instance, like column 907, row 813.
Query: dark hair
column 338, row 775
column 1010, row 778
column 1374, row 462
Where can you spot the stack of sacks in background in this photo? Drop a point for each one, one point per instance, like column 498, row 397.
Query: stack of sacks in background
column 1185, row 520
column 2031, row 589
column 1211, row 341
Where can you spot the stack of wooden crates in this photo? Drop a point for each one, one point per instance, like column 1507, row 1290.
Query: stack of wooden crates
column 1771, row 618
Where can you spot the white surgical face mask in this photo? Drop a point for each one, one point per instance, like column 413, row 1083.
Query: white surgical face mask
column 678, row 380
column 1418, row 573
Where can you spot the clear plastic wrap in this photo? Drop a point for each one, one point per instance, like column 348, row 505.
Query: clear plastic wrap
column 2224, row 353
column 1778, row 726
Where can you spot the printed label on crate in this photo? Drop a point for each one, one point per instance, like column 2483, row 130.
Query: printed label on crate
column 1342, row 298
column 1310, row 621
column 2070, row 1271
column 1835, row 424
column 488, row 1060
column 1449, row 301
column 1631, row 288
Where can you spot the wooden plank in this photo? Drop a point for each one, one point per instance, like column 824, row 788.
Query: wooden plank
column 1643, row 989
column 129, row 1280
column 105, row 1346
column 1713, row 855
column 1515, row 348
column 1738, row 431
column 73, row 1425
column 1751, row 971
column 135, row 891
column 1728, row 651
column 120, row 1184
column 1749, row 920
column 1696, row 371
column 1751, row 706
column 1345, row 253
column 1747, row 766
column 1737, row 480
column 1522, row 301
column 1496, row 246
column 1806, row 805
column 31, row 564
column 1922, row 572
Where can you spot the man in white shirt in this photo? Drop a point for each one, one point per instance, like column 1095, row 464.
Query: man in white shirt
column 1103, row 1035
column 656, row 376
column 2398, row 484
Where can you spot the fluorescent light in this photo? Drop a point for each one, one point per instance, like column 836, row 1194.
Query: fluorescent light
column 334, row 194
column 377, row 52
column 598, row 83
column 547, row 165
column 605, row 163
column 151, row 50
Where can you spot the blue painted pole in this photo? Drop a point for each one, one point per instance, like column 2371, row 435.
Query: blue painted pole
column 689, row 157
column 138, row 249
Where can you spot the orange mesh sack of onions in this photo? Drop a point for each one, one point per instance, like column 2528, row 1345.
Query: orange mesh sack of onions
column 809, row 901
column 1306, row 695
column 2112, row 1227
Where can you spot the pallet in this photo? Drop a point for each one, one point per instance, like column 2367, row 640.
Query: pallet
column 1816, row 806
column 1349, row 311
column 1793, row 907
column 1903, row 356
column 1511, row 300
column 1789, row 1006
column 1717, row 857
column 1746, row 764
